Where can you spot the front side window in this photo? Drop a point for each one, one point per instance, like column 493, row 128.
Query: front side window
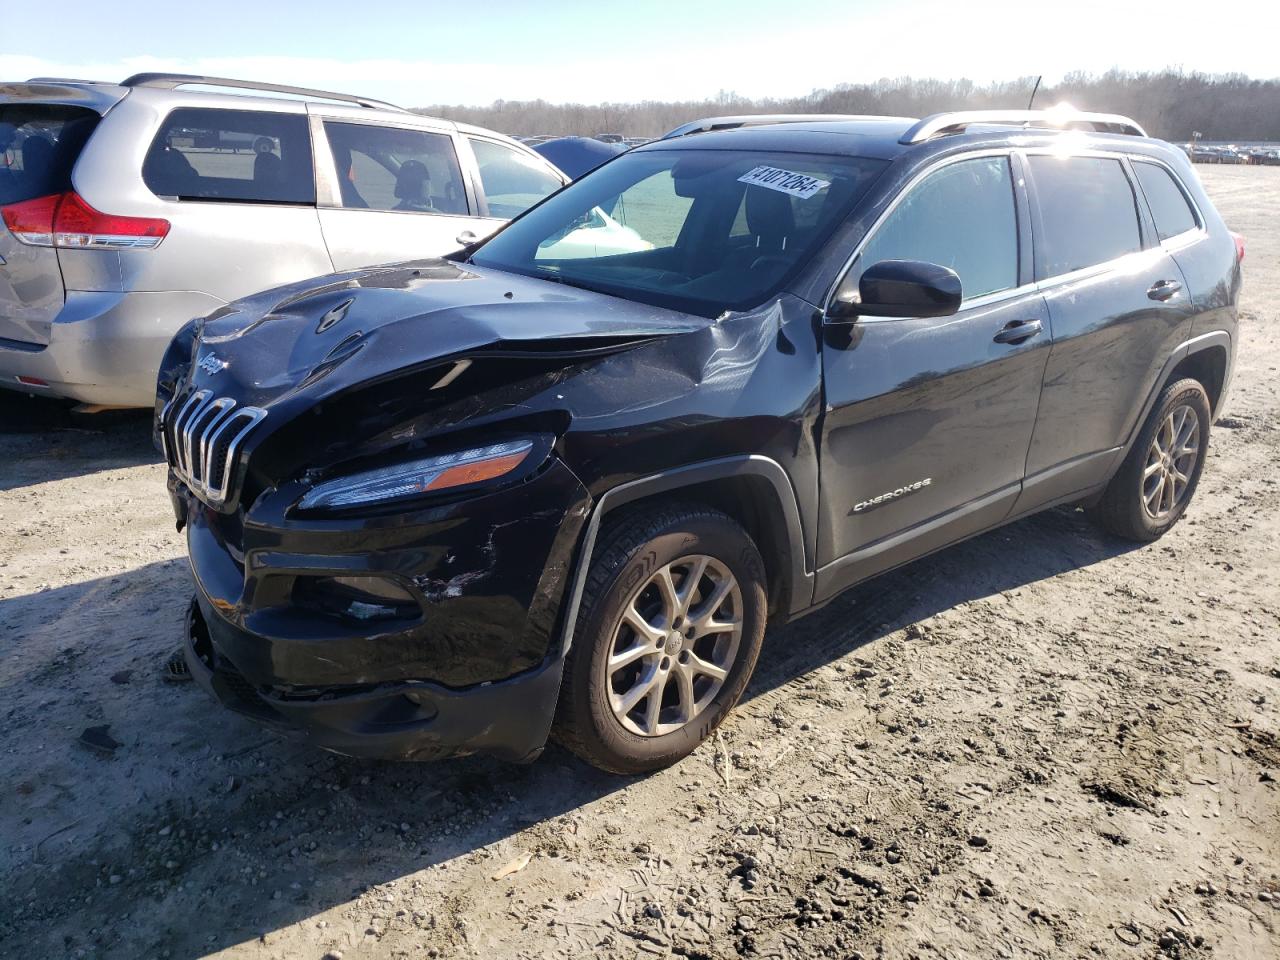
column 513, row 181
column 961, row 216
column 245, row 156
column 393, row 168
column 658, row 226
column 1088, row 212
column 1169, row 207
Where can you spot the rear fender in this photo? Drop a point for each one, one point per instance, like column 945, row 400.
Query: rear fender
column 1207, row 341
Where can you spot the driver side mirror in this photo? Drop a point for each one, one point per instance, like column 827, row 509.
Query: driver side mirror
column 900, row 288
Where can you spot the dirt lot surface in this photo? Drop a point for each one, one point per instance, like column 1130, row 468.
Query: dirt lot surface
column 1041, row 743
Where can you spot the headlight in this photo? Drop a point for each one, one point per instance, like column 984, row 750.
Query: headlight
column 420, row 476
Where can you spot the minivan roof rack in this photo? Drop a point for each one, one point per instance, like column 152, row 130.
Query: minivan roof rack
column 707, row 124
column 956, row 121
column 170, row 81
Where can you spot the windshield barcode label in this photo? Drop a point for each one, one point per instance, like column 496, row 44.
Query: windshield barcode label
column 784, row 181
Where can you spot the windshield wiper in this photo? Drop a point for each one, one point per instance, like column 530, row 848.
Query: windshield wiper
column 561, row 278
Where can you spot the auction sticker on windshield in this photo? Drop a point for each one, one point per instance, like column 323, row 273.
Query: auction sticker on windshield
column 784, row 181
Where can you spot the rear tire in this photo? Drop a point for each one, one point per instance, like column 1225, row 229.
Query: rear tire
column 668, row 633
column 1155, row 483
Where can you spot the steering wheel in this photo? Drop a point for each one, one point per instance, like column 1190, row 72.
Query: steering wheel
column 768, row 258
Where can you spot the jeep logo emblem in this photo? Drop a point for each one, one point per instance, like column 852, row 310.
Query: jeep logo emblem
column 211, row 364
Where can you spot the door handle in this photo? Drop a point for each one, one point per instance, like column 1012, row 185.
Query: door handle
column 1164, row 290
column 466, row 238
column 1016, row 331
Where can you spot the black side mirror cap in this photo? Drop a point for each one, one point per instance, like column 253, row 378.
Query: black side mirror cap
column 901, row 288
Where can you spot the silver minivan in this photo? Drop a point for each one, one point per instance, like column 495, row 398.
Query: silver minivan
column 130, row 208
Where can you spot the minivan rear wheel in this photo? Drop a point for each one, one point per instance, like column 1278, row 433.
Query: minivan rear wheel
column 668, row 633
column 1158, row 478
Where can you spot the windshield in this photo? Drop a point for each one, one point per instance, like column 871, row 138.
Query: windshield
column 702, row 231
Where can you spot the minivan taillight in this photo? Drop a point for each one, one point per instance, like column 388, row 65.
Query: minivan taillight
column 65, row 220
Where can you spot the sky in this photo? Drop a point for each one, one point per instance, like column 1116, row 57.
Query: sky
column 420, row 53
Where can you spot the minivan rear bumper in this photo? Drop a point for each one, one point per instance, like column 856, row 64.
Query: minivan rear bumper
column 103, row 347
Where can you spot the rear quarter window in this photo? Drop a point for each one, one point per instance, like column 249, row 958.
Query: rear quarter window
column 1169, row 205
column 1088, row 212
column 244, row 156
column 39, row 146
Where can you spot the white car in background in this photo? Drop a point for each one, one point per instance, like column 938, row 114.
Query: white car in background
column 596, row 235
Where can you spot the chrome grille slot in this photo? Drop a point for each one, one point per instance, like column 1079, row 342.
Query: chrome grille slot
column 201, row 437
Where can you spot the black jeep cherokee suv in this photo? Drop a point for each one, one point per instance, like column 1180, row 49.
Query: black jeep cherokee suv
column 459, row 505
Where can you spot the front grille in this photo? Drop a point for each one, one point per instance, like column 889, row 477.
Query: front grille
column 202, row 438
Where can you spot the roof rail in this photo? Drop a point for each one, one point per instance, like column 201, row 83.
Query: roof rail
column 708, row 124
column 956, row 122
column 170, row 81
column 95, row 83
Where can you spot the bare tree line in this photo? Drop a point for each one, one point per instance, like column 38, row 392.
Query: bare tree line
column 1171, row 104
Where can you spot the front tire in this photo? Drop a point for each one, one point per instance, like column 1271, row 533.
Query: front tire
column 1151, row 490
column 668, row 633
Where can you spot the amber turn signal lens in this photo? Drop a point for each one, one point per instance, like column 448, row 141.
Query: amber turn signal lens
column 477, row 472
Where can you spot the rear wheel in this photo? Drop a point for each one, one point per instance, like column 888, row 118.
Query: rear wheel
column 668, row 633
column 1157, row 480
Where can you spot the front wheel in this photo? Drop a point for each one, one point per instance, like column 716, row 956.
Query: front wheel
column 1154, row 485
column 668, row 633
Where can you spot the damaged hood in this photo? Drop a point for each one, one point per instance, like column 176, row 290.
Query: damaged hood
column 321, row 336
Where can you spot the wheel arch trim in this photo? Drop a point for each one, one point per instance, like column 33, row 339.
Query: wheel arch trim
column 1197, row 344
column 674, row 480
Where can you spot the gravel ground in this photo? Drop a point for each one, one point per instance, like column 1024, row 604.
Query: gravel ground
column 1041, row 743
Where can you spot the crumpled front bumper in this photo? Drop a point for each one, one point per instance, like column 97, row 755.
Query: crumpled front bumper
column 413, row 720
column 477, row 670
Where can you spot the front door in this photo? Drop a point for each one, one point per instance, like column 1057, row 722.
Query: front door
column 927, row 421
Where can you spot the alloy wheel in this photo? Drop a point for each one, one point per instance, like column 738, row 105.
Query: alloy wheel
column 1171, row 461
column 674, row 645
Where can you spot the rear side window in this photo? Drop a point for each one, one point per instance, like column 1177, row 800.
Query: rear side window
column 961, row 216
column 1169, row 206
column 391, row 168
column 513, row 181
column 39, row 145
column 245, row 156
column 1087, row 211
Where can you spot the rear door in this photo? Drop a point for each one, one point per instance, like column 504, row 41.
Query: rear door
column 927, row 420
column 236, row 184
column 1118, row 306
column 39, row 146
column 396, row 192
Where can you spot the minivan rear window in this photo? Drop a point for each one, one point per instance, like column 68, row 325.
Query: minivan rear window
column 39, row 145
column 245, row 156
